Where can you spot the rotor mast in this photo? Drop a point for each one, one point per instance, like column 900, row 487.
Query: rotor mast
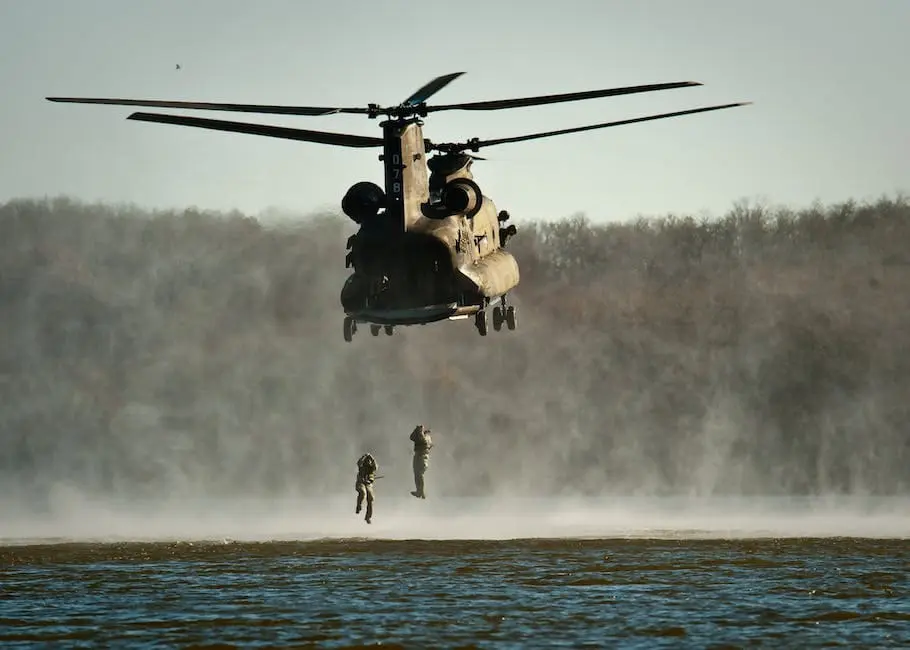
column 404, row 152
column 404, row 159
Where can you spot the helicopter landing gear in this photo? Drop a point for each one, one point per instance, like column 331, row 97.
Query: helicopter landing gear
column 504, row 314
column 350, row 328
column 480, row 322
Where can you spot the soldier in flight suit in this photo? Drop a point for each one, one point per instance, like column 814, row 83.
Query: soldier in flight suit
column 420, row 436
column 366, row 474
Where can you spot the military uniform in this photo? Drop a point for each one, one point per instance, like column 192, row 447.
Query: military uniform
column 420, row 436
column 366, row 474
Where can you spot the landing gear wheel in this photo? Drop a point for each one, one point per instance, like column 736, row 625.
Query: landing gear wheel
column 350, row 328
column 510, row 317
column 497, row 318
column 374, row 329
column 480, row 322
column 388, row 330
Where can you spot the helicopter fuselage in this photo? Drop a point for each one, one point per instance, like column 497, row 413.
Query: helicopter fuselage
column 429, row 246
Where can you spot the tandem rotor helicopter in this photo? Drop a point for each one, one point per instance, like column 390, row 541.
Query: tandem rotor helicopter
column 430, row 245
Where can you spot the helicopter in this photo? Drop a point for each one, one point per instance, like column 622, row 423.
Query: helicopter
column 430, row 245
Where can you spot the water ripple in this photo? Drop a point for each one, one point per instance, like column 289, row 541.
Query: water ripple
column 350, row 593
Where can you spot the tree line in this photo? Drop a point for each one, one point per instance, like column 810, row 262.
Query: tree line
column 190, row 352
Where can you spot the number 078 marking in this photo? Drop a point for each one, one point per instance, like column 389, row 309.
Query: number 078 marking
column 396, row 174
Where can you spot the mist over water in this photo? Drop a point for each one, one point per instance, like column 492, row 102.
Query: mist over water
column 183, row 375
column 400, row 517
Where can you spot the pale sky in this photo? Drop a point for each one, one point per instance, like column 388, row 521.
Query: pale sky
column 828, row 78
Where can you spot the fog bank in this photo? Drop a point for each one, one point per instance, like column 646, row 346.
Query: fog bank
column 172, row 356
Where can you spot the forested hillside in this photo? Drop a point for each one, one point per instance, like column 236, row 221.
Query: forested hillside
column 195, row 353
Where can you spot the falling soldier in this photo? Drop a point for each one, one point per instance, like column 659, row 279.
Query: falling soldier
column 366, row 474
column 420, row 436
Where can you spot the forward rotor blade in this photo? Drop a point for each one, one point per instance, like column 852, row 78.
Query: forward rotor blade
column 210, row 106
column 431, row 88
column 521, row 102
column 322, row 137
column 476, row 144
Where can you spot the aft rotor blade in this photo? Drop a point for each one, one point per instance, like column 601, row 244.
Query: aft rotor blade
column 322, row 137
column 476, row 144
column 210, row 106
column 431, row 88
column 521, row 102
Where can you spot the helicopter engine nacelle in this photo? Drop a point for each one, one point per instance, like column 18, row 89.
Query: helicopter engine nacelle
column 462, row 196
column 363, row 201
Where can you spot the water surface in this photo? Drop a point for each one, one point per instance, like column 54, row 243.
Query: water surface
column 670, row 585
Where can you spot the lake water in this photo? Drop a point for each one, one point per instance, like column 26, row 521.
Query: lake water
column 502, row 574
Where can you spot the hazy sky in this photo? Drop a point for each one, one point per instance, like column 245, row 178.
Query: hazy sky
column 831, row 118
